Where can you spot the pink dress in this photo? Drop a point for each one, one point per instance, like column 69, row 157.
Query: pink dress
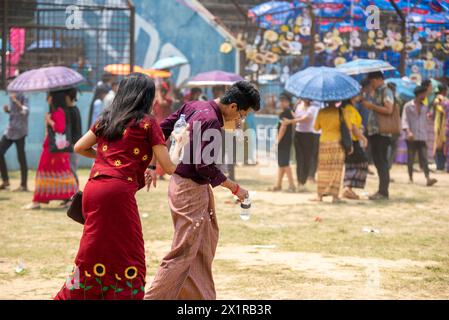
column 54, row 179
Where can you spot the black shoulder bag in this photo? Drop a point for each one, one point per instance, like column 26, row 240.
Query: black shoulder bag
column 75, row 210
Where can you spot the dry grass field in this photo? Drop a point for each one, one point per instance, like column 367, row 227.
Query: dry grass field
column 282, row 252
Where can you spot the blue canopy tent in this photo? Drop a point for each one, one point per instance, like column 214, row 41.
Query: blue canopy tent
column 346, row 15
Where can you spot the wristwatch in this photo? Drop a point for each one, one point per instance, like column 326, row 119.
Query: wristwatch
column 152, row 167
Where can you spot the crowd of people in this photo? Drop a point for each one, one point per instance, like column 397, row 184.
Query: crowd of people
column 131, row 123
column 318, row 140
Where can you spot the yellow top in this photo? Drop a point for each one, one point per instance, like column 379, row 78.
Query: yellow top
column 355, row 118
column 328, row 121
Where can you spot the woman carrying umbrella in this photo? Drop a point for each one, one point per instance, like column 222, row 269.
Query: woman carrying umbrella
column 331, row 156
column 54, row 178
column 330, row 86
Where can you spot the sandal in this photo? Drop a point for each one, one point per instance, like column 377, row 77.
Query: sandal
column 291, row 190
column 349, row 194
column 32, row 206
column 65, row 204
column 274, row 189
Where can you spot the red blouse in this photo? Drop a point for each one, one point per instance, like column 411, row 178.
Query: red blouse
column 127, row 158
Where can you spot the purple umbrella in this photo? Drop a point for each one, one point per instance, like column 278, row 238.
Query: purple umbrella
column 46, row 79
column 214, row 78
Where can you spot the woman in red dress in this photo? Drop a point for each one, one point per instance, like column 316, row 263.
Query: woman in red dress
column 110, row 263
column 54, row 178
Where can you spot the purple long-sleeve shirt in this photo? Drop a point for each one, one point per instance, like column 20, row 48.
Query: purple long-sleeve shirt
column 201, row 116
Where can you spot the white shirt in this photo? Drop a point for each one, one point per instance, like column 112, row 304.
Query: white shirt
column 311, row 112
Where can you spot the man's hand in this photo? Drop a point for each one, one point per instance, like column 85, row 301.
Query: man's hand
column 242, row 194
column 150, row 177
column 184, row 137
column 6, row 108
column 367, row 105
column 410, row 136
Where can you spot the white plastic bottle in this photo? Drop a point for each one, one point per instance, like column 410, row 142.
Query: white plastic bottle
column 245, row 211
column 180, row 125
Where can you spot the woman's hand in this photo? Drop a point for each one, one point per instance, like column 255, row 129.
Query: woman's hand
column 364, row 142
column 150, row 177
column 351, row 151
column 242, row 194
column 48, row 120
column 286, row 122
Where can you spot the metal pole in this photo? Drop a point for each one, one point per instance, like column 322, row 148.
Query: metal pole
column 403, row 35
column 312, row 34
column 4, row 42
column 131, row 35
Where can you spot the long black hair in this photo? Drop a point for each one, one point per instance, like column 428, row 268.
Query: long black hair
column 57, row 100
column 345, row 103
column 134, row 99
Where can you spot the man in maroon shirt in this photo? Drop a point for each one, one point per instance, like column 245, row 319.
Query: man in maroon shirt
column 186, row 271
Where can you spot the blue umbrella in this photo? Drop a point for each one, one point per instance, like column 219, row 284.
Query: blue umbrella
column 171, row 62
column 364, row 66
column 404, row 88
column 271, row 13
column 322, row 84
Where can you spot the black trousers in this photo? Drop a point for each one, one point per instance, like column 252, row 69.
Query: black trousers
column 315, row 151
column 392, row 150
column 440, row 159
column 304, row 154
column 419, row 147
column 379, row 151
column 5, row 143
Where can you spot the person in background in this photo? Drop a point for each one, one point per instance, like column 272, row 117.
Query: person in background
column 54, row 178
column 218, row 91
column 429, row 102
column 83, row 67
column 107, row 101
column 15, row 133
column 161, row 110
column 105, row 84
column 441, row 111
column 414, row 122
column 284, row 144
column 356, row 164
column 393, row 148
column 366, row 93
column 163, row 102
column 315, row 147
column 381, row 102
column 98, row 105
column 305, row 115
column 195, row 94
column 74, row 122
column 446, row 145
column 331, row 156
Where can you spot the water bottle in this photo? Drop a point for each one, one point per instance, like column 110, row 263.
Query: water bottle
column 180, row 125
column 245, row 209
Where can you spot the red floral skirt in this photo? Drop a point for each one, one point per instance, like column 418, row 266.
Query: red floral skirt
column 110, row 263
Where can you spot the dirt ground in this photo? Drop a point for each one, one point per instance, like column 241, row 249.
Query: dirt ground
column 291, row 248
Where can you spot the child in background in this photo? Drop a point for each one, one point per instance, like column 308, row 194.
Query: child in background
column 284, row 144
